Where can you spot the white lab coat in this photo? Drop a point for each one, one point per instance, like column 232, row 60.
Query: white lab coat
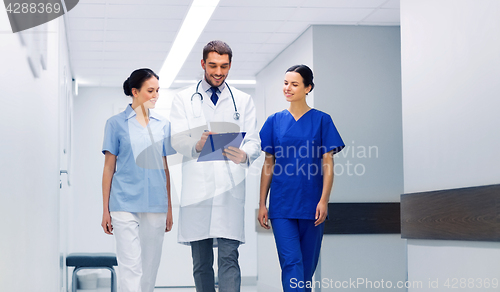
column 213, row 193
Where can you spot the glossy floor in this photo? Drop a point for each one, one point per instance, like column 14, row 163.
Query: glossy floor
column 243, row 289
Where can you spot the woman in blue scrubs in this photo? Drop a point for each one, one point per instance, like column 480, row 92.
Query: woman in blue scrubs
column 299, row 143
column 136, row 183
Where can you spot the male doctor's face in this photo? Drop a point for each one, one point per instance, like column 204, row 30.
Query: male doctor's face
column 216, row 68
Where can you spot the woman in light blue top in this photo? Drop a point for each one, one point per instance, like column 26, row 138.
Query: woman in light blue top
column 299, row 143
column 136, row 183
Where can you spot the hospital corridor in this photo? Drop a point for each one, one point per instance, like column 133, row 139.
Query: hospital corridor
column 253, row 146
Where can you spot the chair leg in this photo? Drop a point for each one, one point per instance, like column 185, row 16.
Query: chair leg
column 74, row 281
column 113, row 280
column 113, row 277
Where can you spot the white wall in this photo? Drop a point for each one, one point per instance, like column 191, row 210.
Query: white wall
column 92, row 107
column 269, row 90
column 30, row 155
column 358, row 76
column 450, row 72
column 270, row 99
column 451, row 69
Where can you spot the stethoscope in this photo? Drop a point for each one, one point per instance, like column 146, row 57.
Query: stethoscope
column 236, row 114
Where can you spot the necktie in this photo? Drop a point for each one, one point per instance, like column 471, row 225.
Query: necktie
column 214, row 97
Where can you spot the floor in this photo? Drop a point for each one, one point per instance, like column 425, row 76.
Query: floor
column 243, row 289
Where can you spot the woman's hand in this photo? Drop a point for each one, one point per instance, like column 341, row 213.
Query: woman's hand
column 321, row 212
column 263, row 219
column 170, row 220
column 106, row 223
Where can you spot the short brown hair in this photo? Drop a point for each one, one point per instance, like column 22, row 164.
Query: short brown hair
column 219, row 47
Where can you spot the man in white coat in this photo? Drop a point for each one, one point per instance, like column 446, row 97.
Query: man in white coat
column 213, row 192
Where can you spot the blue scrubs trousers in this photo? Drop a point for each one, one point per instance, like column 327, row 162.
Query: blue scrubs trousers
column 298, row 242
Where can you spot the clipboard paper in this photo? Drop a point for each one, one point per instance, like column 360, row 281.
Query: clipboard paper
column 212, row 150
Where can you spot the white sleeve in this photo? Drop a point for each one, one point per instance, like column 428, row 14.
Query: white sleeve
column 251, row 143
column 182, row 140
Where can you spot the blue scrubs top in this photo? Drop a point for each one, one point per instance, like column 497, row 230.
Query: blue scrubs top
column 139, row 183
column 298, row 147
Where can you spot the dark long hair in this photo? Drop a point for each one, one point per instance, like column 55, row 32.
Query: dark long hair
column 305, row 72
column 136, row 80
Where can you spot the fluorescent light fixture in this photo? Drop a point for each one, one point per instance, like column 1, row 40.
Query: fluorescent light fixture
column 196, row 19
column 185, row 81
column 236, row 82
column 241, row 81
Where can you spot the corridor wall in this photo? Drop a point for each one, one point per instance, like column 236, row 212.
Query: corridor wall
column 32, row 245
column 451, row 68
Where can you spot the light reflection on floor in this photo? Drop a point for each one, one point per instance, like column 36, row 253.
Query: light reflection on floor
column 243, row 289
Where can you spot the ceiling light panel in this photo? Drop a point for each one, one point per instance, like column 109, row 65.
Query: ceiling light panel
column 88, row 35
column 148, row 3
column 138, row 46
column 124, row 36
column 88, row 10
column 262, row 3
column 343, row 3
column 145, row 12
column 133, row 25
column 78, row 23
column 85, row 46
column 253, row 13
column 242, row 26
column 85, row 55
column 332, row 15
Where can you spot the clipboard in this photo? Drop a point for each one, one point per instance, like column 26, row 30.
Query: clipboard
column 212, row 150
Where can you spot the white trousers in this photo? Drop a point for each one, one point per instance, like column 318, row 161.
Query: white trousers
column 139, row 240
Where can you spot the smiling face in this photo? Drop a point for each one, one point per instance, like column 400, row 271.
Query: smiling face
column 148, row 94
column 216, row 68
column 294, row 88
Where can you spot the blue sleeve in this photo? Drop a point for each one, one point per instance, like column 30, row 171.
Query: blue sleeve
column 267, row 135
column 330, row 137
column 111, row 142
column 167, row 145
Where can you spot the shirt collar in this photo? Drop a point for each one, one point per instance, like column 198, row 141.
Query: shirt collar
column 206, row 87
column 154, row 115
column 130, row 113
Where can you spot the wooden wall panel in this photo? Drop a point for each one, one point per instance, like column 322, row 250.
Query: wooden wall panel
column 363, row 218
column 358, row 218
column 456, row 214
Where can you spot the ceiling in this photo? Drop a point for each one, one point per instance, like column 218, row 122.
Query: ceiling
column 108, row 39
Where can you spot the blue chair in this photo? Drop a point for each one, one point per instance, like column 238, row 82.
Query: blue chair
column 92, row 261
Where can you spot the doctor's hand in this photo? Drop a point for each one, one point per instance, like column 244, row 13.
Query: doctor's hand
column 106, row 223
column 262, row 217
column 235, row 154
column 203, row 139
column 321, row 213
